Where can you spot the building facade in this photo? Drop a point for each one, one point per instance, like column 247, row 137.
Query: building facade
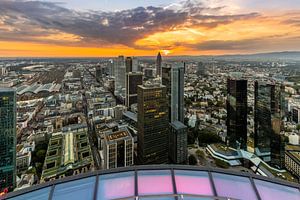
column 278, row 138
column 128, row 64
column 296, row 115
column 153, row 124
column 7, row 139
column 236, row 113
column 166, row 81
column 120, row 76
column 178, row 150
column 292, row 159
column 268, row 114
column 177, row 93
column 118, row 149
column 200, row 69
column 133, row 79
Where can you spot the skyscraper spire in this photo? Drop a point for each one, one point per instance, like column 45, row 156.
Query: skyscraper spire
column 158, row 64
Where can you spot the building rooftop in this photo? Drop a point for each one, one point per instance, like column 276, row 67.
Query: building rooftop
column 116, row 135
column 7, row 90
column 178, row 125
column 69, row 150
column 162, row 182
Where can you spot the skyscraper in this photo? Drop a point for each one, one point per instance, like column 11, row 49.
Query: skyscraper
column 278, row 139
column 158, row 64
column 269, row 111
column 264, row 110
column 177, row 93
column 166, row 81
column 135, row 64
column 128, row 64
column 7, row 139
column 120, row 75
column 153, row 124
column 236, row 113
column 200, row 69
column 178, row 143
column 133, row 79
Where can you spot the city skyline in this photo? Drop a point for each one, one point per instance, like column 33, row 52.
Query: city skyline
column 63, row 28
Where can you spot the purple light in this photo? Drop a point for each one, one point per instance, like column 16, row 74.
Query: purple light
column 233, row 186
column 155, row 182
column 272, row 191
column 117, row 185
column 192, row 182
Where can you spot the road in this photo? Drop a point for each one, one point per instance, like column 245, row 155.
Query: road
column 94, row 149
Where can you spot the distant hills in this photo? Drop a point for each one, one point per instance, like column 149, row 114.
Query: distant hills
column 284, row 55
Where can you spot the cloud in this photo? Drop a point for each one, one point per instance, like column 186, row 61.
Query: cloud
column 45, row 22
column 276, row 42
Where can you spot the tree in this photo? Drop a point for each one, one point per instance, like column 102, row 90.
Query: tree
column 192, row 160
column 200, row 154
column 298, row 127
column 41, row 154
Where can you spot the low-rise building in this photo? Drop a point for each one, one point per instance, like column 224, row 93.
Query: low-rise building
column 68, row 153
column 292, row 159
column 118, row 148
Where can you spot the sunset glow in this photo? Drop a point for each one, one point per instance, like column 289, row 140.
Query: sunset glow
column 48, row 29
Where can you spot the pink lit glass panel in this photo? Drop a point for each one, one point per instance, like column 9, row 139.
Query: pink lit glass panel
column 155, row 182
column 118, row 185
column 193, row 182
column 272, row 191
column 233, row 186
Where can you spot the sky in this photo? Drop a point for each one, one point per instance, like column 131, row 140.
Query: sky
column 97, row 28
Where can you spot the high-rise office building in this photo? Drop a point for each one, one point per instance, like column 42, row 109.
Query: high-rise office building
column 166, row 81
column 278, row 139
column 133, row 79
column 269, row 107
column 178, row 143
column 177, row 93
column 128, row 64
column 99, row 72
column 7, row 139
column 153, row 124
column 118, row 149
column 135, row 65
column 120, row 76
column 264, row 103
column 200, row 69
column 236, row 113
column 158, row 64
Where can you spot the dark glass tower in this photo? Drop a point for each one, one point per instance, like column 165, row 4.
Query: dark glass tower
column 7, row 139
column 153, row 124
column 128, row 64
column 177, row 93
column 264, row 108
column 133, row 79
column 166, row 81
column 158, row 64
column 237, row 113
column 277, row 139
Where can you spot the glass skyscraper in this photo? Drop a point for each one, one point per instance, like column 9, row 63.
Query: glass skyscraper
column 237, row 113
column 7, row 139
column 277, row 139
column 264, row 103
column 177, row 93
column 153, row 124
